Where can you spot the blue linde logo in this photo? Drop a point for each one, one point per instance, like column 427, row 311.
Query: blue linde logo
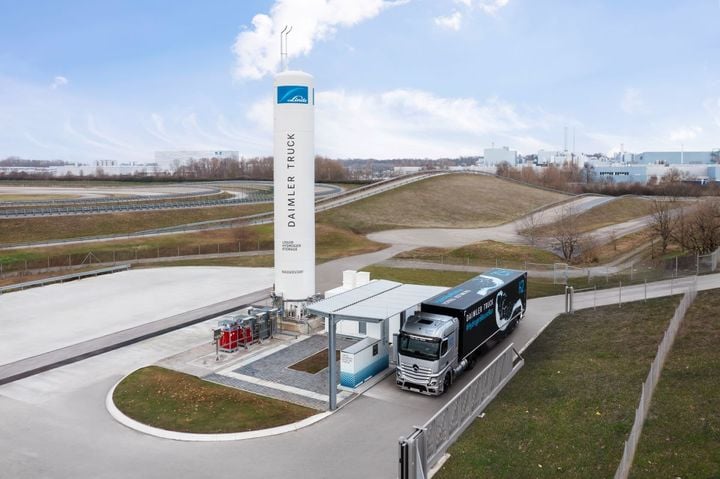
column 292, row 94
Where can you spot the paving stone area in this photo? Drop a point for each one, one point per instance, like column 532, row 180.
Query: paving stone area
column 275, row 368
column 266, row 391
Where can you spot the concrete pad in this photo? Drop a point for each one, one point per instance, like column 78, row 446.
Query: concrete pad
column 40, row 320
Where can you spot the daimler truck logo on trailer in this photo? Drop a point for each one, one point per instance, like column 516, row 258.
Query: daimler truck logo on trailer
column 292, row 94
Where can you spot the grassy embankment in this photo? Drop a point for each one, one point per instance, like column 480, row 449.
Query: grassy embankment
column 16, row 230
column 336, row 231
column 681, row 437
column 450, row 201
column 179, row 402
column 570, row 408
column 331, row 243
column 484, row 253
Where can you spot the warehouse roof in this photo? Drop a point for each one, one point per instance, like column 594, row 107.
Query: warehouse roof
column 375, row 301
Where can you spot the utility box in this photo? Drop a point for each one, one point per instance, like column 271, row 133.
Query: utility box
column 265, row 321
column 245, row 326
column 228, row 341
column 361, row 361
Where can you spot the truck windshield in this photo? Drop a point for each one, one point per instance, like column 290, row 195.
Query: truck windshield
column 420, row 348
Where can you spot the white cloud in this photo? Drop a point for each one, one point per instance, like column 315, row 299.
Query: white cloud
column 405, row 123
column 685, row 133
column 632, row 101
column 451, row 22
column 492, row 7
column 257, row 49
column 58, row 82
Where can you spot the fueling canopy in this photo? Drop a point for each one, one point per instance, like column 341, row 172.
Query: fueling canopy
column 374, row 302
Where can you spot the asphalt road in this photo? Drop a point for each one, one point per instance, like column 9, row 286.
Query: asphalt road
column 68, row 433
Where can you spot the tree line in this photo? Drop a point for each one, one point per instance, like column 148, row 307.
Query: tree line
column 259, row 168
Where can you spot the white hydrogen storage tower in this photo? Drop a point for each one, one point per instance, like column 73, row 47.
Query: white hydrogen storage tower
column 294, row 186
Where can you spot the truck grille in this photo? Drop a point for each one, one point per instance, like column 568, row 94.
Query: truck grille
column 422, row 374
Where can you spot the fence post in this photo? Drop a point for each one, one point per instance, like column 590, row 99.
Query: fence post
column 620, row 295
column 595, row 297
column 697, row 263
column 646, row 290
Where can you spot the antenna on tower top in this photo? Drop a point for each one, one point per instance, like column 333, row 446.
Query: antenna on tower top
column 283, row 46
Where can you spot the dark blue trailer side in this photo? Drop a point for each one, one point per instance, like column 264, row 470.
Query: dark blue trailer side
column 489, row 304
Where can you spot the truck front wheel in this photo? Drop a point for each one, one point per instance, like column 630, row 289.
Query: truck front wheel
column 446, row 382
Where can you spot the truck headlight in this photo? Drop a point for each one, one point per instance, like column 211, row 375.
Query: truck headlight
column 433, row 381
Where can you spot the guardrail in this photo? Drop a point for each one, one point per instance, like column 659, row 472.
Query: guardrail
column 648, row 386
column 62, row 279
column 420, row 451
column 81, row 201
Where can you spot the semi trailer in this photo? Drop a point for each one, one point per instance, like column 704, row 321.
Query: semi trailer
column 440, row 341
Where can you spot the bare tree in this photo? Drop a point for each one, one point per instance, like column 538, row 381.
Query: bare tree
column 566, row 234
column 662, row 222
column 699, row 230
column 588, row 246
column 529, row 227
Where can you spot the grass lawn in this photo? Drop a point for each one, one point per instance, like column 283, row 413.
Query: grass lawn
column 484, row 252
column 434, row 277
column 616, row 211
column 17, row 230
column 179, row 402
column 331, row 242
column 315, row 363
column 430, row 277
column 568, row 411
column 459, row 201
column 681, row 437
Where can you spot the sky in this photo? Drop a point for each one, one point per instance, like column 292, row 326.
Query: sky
column 86, row 80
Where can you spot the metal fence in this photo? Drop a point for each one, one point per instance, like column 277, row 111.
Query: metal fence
column 68, row 262
column 564, row 274
column 648, row 386
column 62, row 279
column 427, row 444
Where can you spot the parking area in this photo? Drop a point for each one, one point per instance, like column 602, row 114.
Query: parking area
column 40, row 320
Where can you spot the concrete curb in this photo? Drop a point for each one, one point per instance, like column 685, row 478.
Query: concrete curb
column 191, row 437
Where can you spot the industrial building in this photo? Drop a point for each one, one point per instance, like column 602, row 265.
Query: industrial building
column 495, row 156
column 676, row 157
column 169, row 156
